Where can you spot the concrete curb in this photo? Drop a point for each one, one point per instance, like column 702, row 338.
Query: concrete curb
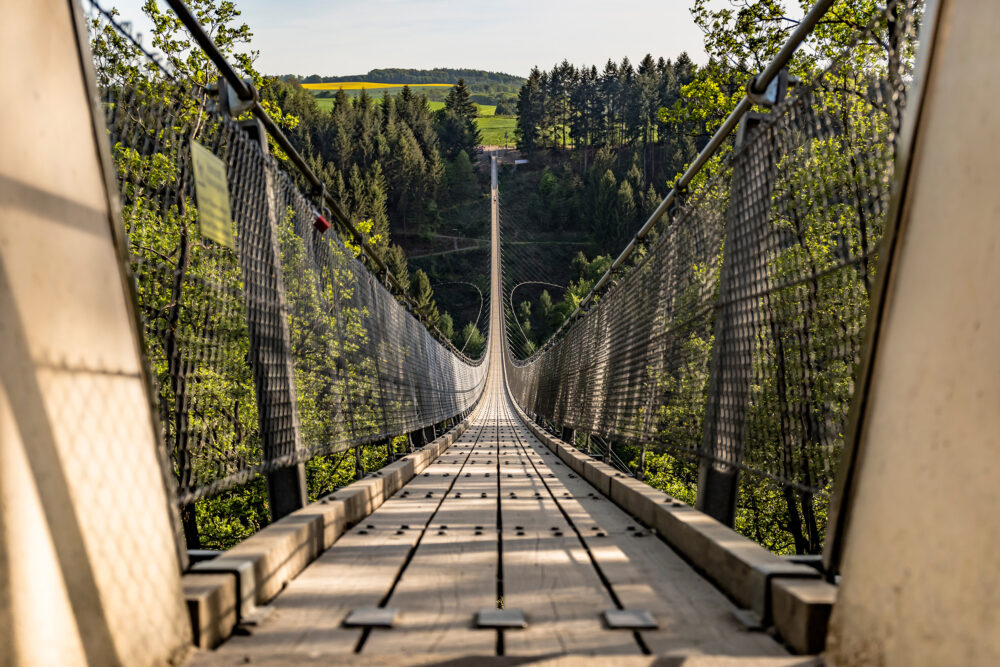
column 222, row 591
column 790, row 596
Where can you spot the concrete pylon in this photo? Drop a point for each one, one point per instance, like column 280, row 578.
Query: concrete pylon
column 918, row 518
column 89, row 564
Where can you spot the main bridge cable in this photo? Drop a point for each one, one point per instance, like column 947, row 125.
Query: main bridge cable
column 247, row 93
column 756, row 87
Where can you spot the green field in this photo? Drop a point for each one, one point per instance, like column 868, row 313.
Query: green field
column 491, row 127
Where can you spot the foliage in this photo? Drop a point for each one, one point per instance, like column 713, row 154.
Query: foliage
column 456, row 123
column 423, row 297
column 538, row 318
column 584, row 109
column 471, row 340
column 506, row 108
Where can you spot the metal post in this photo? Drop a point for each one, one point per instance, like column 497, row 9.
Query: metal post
column 270, row 341
column 359, row 464
column 730, row 371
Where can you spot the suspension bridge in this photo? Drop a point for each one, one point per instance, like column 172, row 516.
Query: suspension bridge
column 804, row 326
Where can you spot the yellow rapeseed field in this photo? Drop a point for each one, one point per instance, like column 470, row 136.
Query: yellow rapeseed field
column 365, row 85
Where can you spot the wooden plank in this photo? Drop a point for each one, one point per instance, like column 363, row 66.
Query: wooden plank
column 356, row 572
column 646, row 574
column 547, row 572
column 694, row 617
column 453, row 572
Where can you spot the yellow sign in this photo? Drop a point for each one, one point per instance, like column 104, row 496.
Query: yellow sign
column 212, row 194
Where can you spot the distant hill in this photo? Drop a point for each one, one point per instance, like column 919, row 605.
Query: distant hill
column 473, row 77
column 488, row 88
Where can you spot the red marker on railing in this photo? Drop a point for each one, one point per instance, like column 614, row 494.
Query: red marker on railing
column 321, row 224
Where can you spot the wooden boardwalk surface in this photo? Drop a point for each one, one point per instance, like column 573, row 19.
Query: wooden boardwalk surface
column 497, row 521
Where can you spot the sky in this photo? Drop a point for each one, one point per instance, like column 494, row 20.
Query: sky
column 344, row 37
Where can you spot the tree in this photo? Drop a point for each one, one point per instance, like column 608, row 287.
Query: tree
column 620, row 107
column 461, row 179
column 457, row 124
column 524, row 316
column 423, row 297
column 545, row 300
column 446, row 326
column 454, row 134
column 471, row 340
column 459, row 102
column 529, row 103
column 626, row 211
column 506, row 107
column 395, row 260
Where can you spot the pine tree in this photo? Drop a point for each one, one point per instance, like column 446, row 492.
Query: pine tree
column 423, row 296
column 395, row 260
column 460, row 102
column 626, row 212
column 453, row 133
column 461, row 178
column 529, row 101
column 471, row 340
column 446, row 325
column 465, row 111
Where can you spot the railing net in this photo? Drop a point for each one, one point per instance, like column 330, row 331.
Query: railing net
column 736, row 337
column 281, row 348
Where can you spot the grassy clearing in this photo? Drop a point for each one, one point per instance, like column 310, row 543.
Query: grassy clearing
column 367, row 85
column 494, row 127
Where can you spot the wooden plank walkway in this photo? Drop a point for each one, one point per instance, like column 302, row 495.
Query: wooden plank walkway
column 496, row 520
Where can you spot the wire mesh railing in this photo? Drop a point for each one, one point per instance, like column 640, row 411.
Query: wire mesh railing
column 270, row 343
column 732, row 341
